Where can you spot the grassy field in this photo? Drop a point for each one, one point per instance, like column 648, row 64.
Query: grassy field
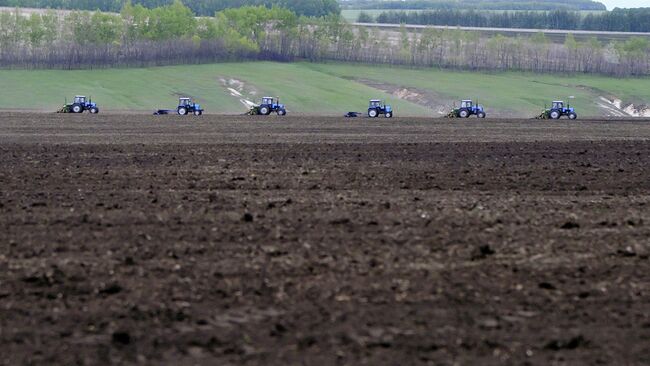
column 304, row 90
column 510, row 91
column 324, row 89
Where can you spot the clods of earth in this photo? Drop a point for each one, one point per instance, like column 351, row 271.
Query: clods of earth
column 321, row 241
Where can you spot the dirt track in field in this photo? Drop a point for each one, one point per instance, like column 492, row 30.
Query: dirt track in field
column 323, row 241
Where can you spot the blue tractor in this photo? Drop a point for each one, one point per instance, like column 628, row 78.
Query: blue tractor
column 187, row 106
column 376, row 107
column 467, row 108
column 268, row 105
column 558, row 110
column 79, row 105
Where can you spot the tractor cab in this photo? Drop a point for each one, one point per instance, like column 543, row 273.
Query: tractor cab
column 375, row 103
column 79, row 99
column 268, row 100
column 184, row 102
column 557, row 104
column 466, row 104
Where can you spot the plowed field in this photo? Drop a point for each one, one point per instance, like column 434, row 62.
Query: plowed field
column 323, row 241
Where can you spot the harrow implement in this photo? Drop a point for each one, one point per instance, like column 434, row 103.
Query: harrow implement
column 543, row 115
column 254, row 111
column 67, row 108
column 452, row 114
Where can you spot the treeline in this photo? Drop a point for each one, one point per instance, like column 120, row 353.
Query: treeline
column 316, row 8
column 172, row 35
column 546, row 5
column 622, row 20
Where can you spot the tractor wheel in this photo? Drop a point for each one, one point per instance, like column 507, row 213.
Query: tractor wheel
column 573, row 115
column 77, row 109
column 282, row 112
column 373, row 113
column 481, row 115
column 555, row 115
column 463, row 113
column 265, row 111
column 388, row 115
column 182, row 111
column 197, row 113
column 94, row 110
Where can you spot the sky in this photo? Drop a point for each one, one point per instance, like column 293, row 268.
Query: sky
column 611, row 4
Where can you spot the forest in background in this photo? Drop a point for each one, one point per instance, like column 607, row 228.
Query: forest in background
column 618, row 20
column 314, row 8
column 475, row 4
column 139, row 36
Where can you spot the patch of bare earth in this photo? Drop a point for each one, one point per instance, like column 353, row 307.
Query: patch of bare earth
column 140, row 240
column 244, row 92
column 616, row 107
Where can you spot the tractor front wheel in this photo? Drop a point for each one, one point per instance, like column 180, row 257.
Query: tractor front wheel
column 573, row 115
column 388, row 115
column 182, row 111
column 282, row 112
column 373, row 113
column 481, row 115
column 197, row 113
column 94, row 110
column 555, row 115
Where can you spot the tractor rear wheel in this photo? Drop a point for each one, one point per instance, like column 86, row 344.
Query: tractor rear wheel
column 555, row 115
column 94, row 110
column 464, row 113
column 373, row 113
column 77, row 109
column 265, row 111
column 481, row 115
column 573, row 115
column 182, row 111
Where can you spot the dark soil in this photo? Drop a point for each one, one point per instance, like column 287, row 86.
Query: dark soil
column 320, row 241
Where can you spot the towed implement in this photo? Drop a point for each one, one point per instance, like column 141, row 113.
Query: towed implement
column 79, row 105
column 467, row 108
column 185, row 106
column 558, row 110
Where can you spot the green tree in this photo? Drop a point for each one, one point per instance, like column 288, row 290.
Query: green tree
column 173, row 21
column 106, row 28
column 36, row 30
column 636, row 46
column 365, row 18
column 50, row 23
column 539, row 38
column 570, row 42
